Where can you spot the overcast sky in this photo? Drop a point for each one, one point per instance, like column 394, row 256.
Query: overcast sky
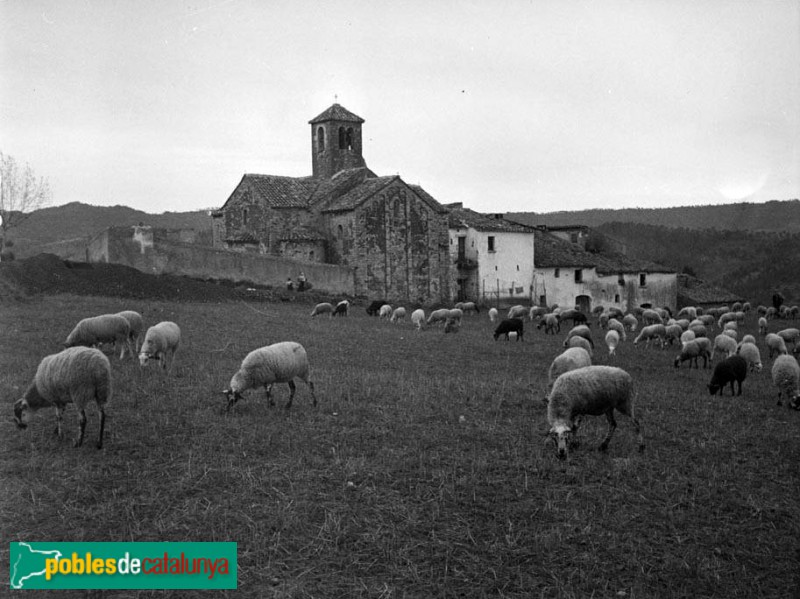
column 539, row 105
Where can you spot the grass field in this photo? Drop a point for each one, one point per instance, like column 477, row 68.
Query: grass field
column 384, row 490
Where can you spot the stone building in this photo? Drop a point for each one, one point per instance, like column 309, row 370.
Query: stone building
column 393, row 235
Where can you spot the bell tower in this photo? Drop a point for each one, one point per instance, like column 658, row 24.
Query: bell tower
column 335, row 142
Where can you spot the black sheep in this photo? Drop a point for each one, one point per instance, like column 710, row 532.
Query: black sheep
column 375, row 307
column 729, row 370
column 509, row 325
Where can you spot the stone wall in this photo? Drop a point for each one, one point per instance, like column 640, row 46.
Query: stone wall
column 158, row 251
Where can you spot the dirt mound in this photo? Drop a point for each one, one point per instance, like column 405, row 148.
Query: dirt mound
column 49, row 274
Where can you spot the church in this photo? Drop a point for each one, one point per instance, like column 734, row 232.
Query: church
column 392, row 234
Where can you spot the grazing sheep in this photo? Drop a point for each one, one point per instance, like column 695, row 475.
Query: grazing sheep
column 630, row 322
column 580, row 331
column 374, row 307
column 161, row 343
column 385, row 311
column 438, row 316
column 615, row 325
column 775, row 344
column 746, row 307
column 570, row 359
column 576, row 316
column 652, row 331
column 136, row 324
column 323, row 308
column 762, row 326
column 107, row 328
column 691, row 350
column 689, row 312
column 786, row 377
column 708, row 320
column 726, row 317
column 536, row 312
column 550, row 323
column 75, row 375
column 578, row 341
column 417, row 318
column 736, row 306
column 615, row 313
column 731, row 325
column 398, row 314
column 342, row 308
column 790, row 335
column 749, row 351
column 517, row 311
column 771, row 313
column 731, row 369
column 507, row 326
column 747, row 339
column 277, row 363
column 598, row 310
column 673, row 333
column 699, row 330
column 468, row 307
column 732, row 333
column 761, row 310
column 452, row 325
column 705, row 343
column 592, row 390
column 612, row 341
column 603, row 321
column 651, row 317
column 723, row 345
column 456, row 314
column 492, row 314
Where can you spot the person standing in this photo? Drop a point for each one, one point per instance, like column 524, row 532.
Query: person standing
column 301, row 281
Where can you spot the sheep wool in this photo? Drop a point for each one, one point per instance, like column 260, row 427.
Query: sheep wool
column 492, row 314
column 136, row 324
column 592, row 390
column 570, row 359
column 438, row 316
column 417, row 318
column 398, row 314
column 612, row 341
column 161, row 343
column 277, row 363
column 749, row 351
column 517, row 311
column 75, row 375
column 323, row 308
column 775, row 344
column 106, row 328
column 786, row 377
column 690, row 351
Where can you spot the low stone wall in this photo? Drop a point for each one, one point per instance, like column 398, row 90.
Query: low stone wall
column 156, row 251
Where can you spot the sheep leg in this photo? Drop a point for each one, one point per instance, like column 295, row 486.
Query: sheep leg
column 59, row 418
column 102, row 427
column 292, row 388
column 313, row 396
column 612, row 425
column 270, row 399
column 81, row 427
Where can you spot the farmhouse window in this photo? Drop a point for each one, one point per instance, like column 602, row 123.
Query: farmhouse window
column 642, row 279
column 321, row 139
column 616, row 298
column 579, row 275
column 557, row 273
column 621, row 280
column 244, row 216
column 573, row 237
column 491, row 243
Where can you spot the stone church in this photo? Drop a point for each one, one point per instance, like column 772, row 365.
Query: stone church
column 393, row 235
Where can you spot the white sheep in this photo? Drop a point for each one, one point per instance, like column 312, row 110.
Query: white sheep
column 603, row 320
column 277, row 363
column 570, row 359
column 687, row 336
column 136, row 324
column 749, row 351
column 707, row 319
column 455, row 315
column 650, row 332
column 615, row 325
column 537, row 312
column 438, row 316
column 385, row 311
column 417, row 318
column 161, row 343
column 468, row 307
column 775, row 344
column 731, row 325
column 689, row 312
column 748, row 339
column 691, row 350
column 631, row 322
column 550, row 323
column 786, row 377
column 106, row 328
column 726, row 317
column 705, row 343
column 580, row 342
column 517, row 311
column 398, row 314
column 492, row 314
column 724, row 345
column 732, row 333
column 75, row 375
column 592, row 390
column 580, row 330
column 650, row 316
column 323, row 308
column 673, row 332
column 612, row 341
column 790, row 336
column 762, row 326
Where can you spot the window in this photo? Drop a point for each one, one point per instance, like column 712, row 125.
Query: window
column 642, row 279
column 244, row 216
column 491, row 243
column 320, row 139
column 573, row 237
column 579, row 275
column 616, row 298
column 557, row 273
column 517, row 267
column 621, row 280
column 340, row 231
column 348, row 144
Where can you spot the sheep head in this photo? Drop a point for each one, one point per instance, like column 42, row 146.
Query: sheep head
column 562, row 433
column 20, row 411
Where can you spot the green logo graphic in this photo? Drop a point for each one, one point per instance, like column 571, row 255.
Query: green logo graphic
column 122, row 565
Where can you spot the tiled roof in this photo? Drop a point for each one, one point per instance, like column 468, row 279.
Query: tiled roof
column 428, row 199
column 693, row 291
column 336, row 113
column 553, row 252
column 242, row 238
column 302, row 233
column 359, row 194
column 281, row 192
column 331, row 189
column 464, row 217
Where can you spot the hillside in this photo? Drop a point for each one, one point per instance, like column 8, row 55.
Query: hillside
column 65, row 229
column 770, row 216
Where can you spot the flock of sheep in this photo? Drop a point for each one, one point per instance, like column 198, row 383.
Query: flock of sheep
column 81, row 373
